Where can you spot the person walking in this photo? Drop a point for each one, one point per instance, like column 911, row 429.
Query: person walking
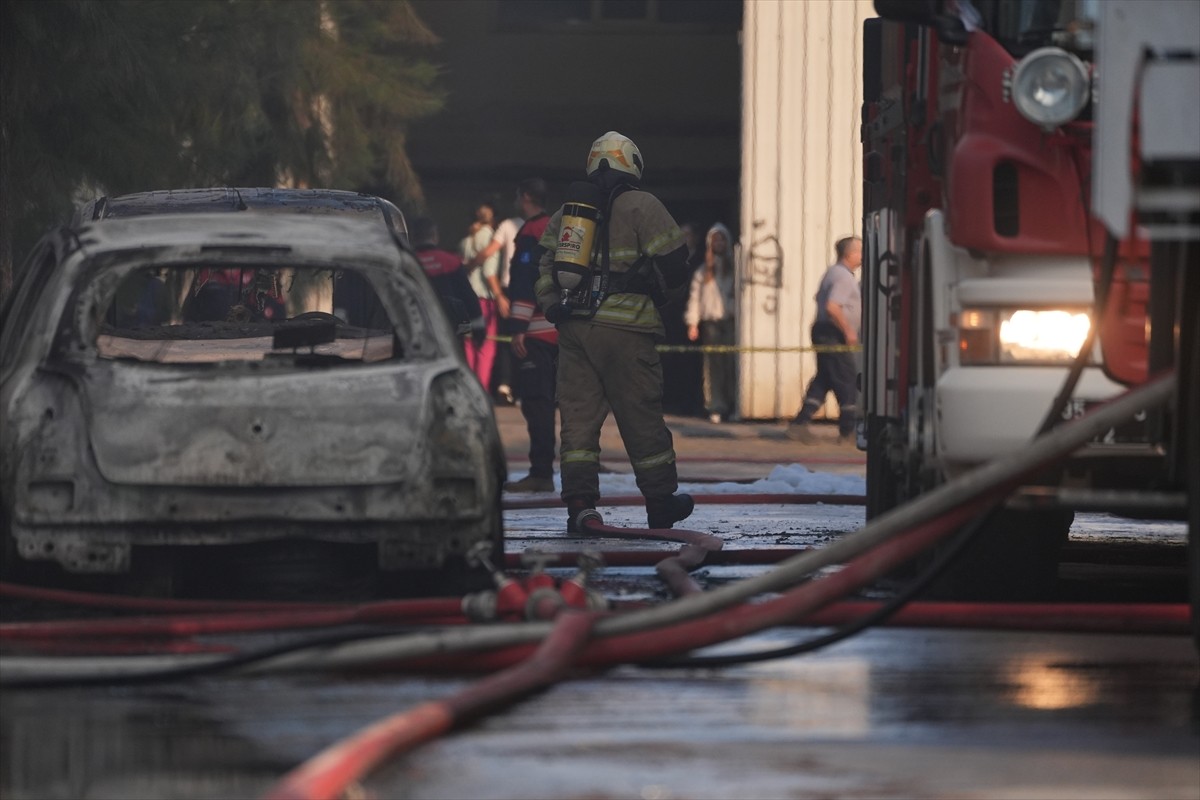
column 485, row 283
column 534, row 343
column 709, row 317
column 607, row 337
column 839, row 315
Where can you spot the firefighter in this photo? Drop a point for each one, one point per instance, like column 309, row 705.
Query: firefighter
column 612, row 256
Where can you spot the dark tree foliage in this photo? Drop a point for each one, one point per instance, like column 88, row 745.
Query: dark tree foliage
column 129, row 95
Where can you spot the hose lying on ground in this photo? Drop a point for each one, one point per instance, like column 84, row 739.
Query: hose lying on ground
column 913, row 526
column 165, row 605
column 674, row 569
column 393, row 611
column 330, row 772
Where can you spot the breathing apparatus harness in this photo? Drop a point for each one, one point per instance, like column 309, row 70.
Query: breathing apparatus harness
column 584, row 234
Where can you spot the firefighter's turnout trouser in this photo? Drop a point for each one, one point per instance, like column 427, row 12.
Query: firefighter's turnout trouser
column 600, row 367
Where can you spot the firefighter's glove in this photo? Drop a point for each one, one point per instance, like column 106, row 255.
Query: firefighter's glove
column 557, row 313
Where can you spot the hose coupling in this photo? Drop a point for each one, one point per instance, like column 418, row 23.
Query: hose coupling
column 543, row 603
column 480, row 606
column 511, row 599
column 480, row 555
column 575, row 590
column 588, row 516
column 538, row 578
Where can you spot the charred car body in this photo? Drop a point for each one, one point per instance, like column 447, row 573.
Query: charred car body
column 262, row 199
column 325, row 401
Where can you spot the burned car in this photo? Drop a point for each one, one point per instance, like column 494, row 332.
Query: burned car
column 183, row 381
column 230, row 199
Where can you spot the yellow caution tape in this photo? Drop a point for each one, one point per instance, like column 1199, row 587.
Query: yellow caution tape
column 733, row 348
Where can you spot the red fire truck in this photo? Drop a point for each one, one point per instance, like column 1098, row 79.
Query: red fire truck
column 987, row 263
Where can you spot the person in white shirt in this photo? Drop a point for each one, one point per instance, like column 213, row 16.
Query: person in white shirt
column 484, row 281
column 503, row 243
column 709, row 317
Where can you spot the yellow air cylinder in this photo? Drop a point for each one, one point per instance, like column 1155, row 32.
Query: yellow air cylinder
column 577, row 235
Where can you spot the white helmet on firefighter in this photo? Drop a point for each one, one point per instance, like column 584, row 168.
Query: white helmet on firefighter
column 618, row 151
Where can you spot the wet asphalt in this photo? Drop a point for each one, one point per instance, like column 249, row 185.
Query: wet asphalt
column 891, row 713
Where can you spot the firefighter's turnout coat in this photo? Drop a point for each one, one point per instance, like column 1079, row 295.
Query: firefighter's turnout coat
column 609, row 360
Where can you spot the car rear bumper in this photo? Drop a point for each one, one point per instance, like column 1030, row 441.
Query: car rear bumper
column 414, row 526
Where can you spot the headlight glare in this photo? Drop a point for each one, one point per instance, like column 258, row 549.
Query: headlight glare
column 1020, row 336
column 1044, row 335
column 1050, row 87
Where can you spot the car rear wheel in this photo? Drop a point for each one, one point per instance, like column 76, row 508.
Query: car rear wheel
column 455, row 577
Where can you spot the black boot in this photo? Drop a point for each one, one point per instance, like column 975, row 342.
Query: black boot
column 663, row 512
column 575, row 506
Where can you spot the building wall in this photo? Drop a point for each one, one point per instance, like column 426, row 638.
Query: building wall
column 801, row 182
column 776, row 105
column 531, row 85
column 528, row 93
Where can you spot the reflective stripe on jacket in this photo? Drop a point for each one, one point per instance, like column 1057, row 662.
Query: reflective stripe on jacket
column 640, row 226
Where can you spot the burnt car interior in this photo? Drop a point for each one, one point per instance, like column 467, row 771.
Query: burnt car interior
column 208, row 313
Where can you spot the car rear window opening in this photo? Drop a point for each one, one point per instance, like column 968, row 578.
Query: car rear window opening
column 212, row 313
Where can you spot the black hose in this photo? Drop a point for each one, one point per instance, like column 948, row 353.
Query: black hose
column 1107, row 269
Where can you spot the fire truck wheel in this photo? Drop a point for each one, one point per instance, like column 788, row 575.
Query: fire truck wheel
column 884, row 491
column 1014, row 558
column 1189, row 399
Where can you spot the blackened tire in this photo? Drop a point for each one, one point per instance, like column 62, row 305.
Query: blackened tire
column 455, row 577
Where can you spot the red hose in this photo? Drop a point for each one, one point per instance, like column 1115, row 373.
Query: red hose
column 674, row 570
column 1144, row 618
column 440, row 609
column 515, row 504
column 731, row 623
column 151, row 604
column 114, row 647
column 329, row 773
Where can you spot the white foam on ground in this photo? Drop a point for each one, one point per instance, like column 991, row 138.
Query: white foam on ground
column 789, row 479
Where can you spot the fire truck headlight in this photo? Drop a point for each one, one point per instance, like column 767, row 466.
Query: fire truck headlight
column 1050, row 87
column 1042, row 335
